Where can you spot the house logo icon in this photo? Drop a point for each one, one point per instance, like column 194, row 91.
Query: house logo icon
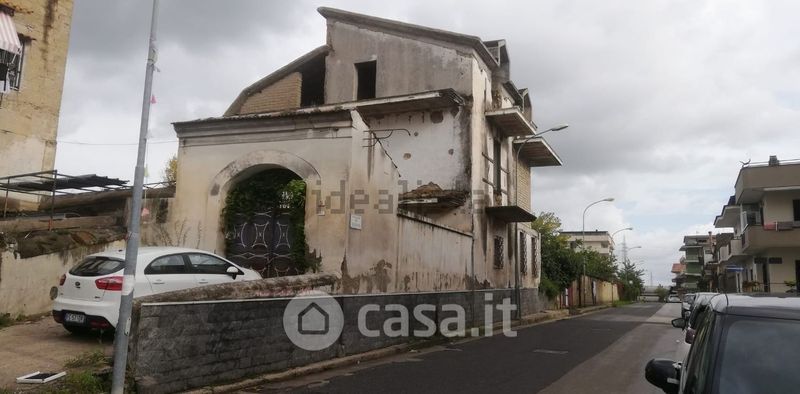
column 313, row 320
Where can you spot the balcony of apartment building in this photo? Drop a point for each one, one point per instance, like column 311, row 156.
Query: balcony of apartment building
column 528, row 150
column 755, row 179
column 758, row 238
column 731, row 253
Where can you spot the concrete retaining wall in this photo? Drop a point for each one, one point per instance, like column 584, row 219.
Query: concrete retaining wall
column 182, row 345
column 25, row 283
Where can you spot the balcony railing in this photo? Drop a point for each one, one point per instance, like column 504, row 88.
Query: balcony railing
column 757, row 238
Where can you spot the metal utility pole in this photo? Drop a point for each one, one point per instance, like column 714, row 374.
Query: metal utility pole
column 123, row 327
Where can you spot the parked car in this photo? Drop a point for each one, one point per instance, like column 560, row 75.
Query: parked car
column 673, row 298
column 89, row 294
column 686, row 305
column 697, row 311
column 744, row 344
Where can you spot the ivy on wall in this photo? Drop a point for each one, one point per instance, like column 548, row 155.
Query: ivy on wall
column 276, row 190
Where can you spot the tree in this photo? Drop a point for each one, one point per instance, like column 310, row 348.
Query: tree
column 630, row 278
column 662, row 293
column 171, row 169
column 560, row 264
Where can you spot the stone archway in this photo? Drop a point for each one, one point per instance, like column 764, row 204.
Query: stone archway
column 246, row 167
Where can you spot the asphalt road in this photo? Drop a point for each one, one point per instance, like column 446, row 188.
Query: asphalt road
column 603, row 351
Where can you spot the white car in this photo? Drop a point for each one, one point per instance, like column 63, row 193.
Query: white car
column 89, row 294
column 673, row 298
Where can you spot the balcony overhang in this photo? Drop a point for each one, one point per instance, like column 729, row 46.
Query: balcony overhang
column 757, row 239
column 729, row 217
column 757, row 178
column 537, row 152
column 510, row 214
column 510, row 122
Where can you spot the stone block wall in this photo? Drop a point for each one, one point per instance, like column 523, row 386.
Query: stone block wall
column 183, row 345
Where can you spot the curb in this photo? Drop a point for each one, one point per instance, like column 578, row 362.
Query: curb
column 526, row 321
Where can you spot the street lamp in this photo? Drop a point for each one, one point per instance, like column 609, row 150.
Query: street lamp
column 516, row 196
column 621, row 230
column 583, row 242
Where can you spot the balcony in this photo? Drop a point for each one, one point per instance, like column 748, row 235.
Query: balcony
column 756, row 239
column 536, row 153
column 758, row 178
column 510, row 122
column 735, row 255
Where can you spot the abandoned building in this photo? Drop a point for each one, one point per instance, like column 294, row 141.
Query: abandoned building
column 395, row 154
column 34, row 35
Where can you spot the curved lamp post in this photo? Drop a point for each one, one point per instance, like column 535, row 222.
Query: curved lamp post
column 583, row 242
column 516, row 196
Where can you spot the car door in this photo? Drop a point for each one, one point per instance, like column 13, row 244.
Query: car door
column 210, row 270
column 169, row 273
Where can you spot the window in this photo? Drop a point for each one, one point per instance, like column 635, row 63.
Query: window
column 700, row 355
column 366, row 79
column 523, row 254
column 206, row 264
column 173, row 264
column 498, row 170
column 498, row 252
column 96, row 266
column 796, row 205
column 756, row 355
column 11, row 66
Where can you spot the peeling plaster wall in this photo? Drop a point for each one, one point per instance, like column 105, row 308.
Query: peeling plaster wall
column 404, row 65
column 371, row 250
column 206, row 173
column 25, row 283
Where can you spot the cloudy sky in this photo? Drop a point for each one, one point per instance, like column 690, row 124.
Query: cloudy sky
column 663, row 98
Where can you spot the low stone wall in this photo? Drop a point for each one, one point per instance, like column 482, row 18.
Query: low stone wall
column 26, row 283
column 183, row 345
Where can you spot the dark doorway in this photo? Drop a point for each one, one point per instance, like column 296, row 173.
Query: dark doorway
column 264, row 223
column 765, row 276
column 366, row 79
column 796, row 275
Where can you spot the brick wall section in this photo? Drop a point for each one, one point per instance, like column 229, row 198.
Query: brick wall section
column 524, row 186
column 179, row 346
column 283, row 94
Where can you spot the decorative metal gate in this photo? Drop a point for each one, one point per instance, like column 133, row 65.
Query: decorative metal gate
column 262, row 242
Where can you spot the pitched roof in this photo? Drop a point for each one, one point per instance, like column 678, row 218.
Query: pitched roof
column 411, row 29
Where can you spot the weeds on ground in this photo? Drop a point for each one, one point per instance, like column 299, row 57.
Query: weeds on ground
column 619, row 303
column 90, row 359
column 6, row 320
column 82, row 382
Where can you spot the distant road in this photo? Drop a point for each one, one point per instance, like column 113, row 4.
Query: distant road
column 601, row 352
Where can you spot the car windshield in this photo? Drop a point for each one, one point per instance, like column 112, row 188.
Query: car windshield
column 96, row 266
column 688, row 298
column 758, row 354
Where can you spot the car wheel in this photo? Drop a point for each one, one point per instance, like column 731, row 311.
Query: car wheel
column 77, row 330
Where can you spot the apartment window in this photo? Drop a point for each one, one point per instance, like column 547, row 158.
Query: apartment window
column 523, row 254
column 366, row 79
column 11, row 66
column 498, row 170
column 498, row 252
column 796, row 204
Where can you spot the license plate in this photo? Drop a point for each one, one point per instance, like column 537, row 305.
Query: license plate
column 74, row 318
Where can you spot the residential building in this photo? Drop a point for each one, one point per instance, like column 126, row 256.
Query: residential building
column 764, row 213
column 599, row 241
column 33, row 54
column 698, row 260
column 407, row 140
column 679, row 269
